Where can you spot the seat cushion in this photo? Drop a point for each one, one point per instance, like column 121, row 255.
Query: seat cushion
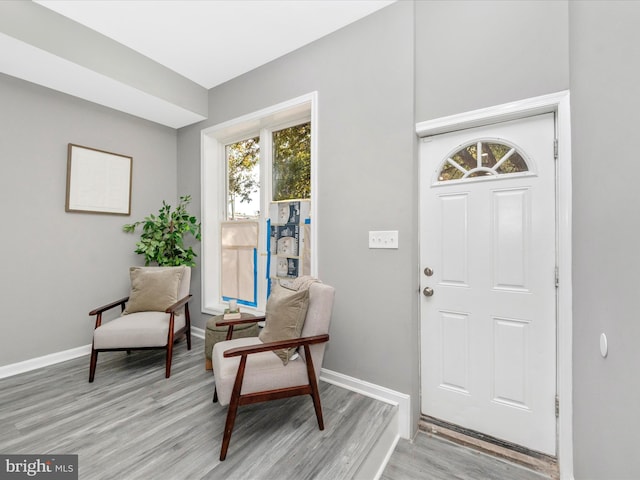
column 284, row 317
column 153, row 288
column 264, row 371
column 136, row 330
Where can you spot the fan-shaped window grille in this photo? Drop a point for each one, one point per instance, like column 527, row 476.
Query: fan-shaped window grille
column 481, row 159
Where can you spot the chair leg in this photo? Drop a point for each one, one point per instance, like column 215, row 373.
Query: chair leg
column 188, row 325
column 315, row 396
column 170, row 340
column 233, row 407
column 313, row 383
column 167, row 372
column 228, row 427
column 92, row 365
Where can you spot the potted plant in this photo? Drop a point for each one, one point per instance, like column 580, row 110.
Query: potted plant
column 162, row 238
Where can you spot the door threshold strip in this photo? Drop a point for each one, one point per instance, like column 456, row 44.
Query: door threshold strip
column 539, row 462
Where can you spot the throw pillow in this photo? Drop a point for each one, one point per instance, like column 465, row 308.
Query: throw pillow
column 284, row 317
column 153, row 289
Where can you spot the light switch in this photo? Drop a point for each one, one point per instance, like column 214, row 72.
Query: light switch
column 383, row 239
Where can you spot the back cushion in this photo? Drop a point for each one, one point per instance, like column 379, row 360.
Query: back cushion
column 284, row 317
column 153, row 289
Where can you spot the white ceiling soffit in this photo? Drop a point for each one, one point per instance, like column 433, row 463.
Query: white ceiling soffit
column 206, row 41
column 30, row 63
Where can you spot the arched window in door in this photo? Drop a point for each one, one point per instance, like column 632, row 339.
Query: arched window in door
column 482, row 158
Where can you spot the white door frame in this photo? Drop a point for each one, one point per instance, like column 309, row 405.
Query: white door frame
column 558, row 103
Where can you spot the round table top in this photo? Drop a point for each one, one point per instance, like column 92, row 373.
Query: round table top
column 211, row 323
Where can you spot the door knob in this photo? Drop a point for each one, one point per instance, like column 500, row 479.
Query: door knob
column 428, row 271
column 428, row 291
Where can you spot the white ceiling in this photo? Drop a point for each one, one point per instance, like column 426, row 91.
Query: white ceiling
column 212, row 41
column 206, row 41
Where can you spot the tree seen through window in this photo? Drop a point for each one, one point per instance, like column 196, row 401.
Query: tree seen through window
column 290, row 175
column 292, row 163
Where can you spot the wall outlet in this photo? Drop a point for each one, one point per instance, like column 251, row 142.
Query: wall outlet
column 383, row 239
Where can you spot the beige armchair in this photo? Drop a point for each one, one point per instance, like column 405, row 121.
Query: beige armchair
column 154, row 315
column 256, row 369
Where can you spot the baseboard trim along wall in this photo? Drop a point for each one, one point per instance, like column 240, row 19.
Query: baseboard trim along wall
column 197, row 332
column 44, row 361
column 383, row 394
column 372, row 467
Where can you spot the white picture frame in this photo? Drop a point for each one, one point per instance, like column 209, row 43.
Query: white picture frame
column 98, row 181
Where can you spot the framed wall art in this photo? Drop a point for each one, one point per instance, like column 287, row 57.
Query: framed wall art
column 98, row 181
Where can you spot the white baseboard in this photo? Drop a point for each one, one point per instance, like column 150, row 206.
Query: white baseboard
column 383, row 394
column 44, row 361
column 197, row 332
column 372, row 467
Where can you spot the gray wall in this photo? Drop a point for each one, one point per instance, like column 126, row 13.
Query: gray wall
column 605, row 93
column 476, row 54
column 58, row 266
column 364, row 78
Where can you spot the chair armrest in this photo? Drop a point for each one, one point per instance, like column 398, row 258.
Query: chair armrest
column 109, row 306
column 239, row 321
column 178, row 304
column 267, row 347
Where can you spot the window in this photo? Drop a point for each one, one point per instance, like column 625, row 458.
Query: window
column 482, row 159
column 258, row 203
column 292, row 163
column 243, row 179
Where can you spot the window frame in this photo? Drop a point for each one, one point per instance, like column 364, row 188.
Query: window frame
column 214, row 200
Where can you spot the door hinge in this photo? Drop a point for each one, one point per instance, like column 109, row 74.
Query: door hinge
column 557, row 275
column 557, row 407
column 555, row 149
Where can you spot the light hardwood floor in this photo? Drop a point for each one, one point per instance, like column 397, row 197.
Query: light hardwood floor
column 132, row 423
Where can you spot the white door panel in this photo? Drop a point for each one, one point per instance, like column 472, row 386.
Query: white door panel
column 488, row 345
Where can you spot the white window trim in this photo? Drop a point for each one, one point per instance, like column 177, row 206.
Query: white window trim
column 213, row 201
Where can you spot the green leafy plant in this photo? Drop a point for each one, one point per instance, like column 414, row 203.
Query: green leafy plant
column 162, row 238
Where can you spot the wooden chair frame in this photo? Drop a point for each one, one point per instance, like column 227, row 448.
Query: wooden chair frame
column 238, row 399
column 171, row 336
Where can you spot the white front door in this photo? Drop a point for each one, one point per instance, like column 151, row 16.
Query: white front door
column 488, row 261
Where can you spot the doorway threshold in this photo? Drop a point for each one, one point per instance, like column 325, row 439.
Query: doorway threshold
column 539, row 462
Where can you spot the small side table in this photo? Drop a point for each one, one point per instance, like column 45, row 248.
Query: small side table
column 215, row 334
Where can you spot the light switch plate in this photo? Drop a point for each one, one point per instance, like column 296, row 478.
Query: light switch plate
column 383, row 239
